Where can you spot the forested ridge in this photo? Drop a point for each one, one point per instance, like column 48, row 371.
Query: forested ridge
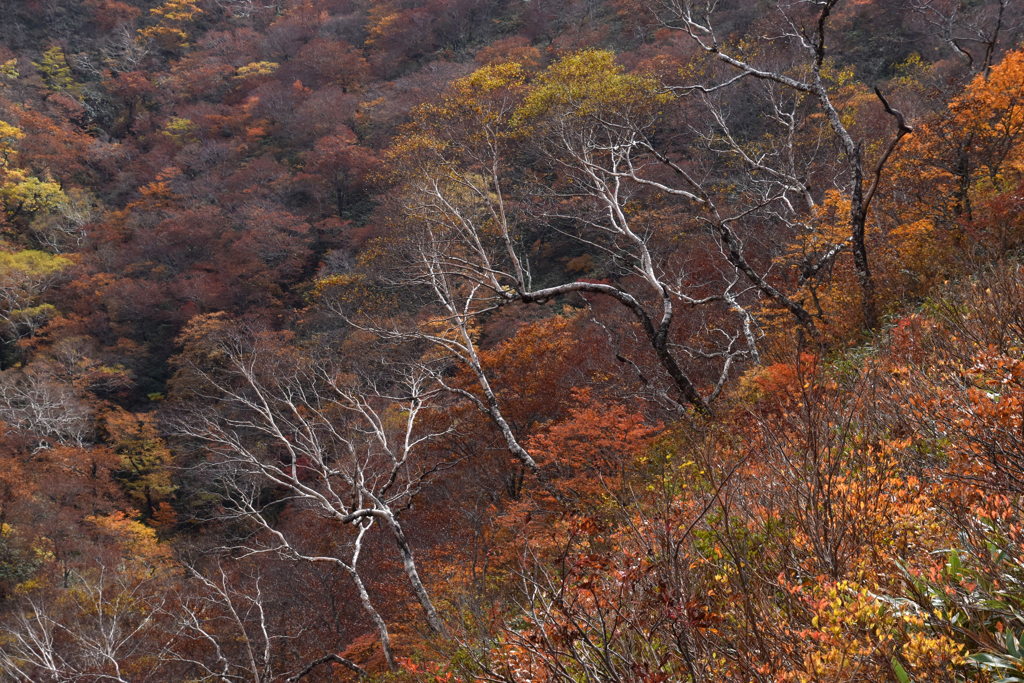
column 473, row 340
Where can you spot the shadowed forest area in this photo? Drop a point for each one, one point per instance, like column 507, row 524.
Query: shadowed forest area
column 535, row 341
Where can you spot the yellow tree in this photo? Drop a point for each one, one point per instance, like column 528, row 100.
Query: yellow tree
column 24, row 277
column 172, row 20
column 9, row 136
column 55, row 72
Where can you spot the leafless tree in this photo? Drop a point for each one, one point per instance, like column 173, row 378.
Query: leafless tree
column 472, row 212
column 63, row 230
column 803, row 27
column 974, row 31
column 92, row 631
column 230, row 620
column 223, row 625
column 124, row 50
column 286, row 432
column 247, row 9
column 40, row 405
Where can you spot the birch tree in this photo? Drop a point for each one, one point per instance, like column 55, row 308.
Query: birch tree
column 474, row 206
column 806, row 70
column 285, row 433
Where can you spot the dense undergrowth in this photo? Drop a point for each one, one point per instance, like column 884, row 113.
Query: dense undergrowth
column 849, row 517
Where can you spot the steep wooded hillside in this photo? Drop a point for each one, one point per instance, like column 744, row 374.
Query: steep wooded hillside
column 434, row 340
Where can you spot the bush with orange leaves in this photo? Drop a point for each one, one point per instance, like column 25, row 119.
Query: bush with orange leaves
column 853, row 518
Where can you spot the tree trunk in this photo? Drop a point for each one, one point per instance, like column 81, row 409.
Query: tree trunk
column 378, row 621
column 409, row 564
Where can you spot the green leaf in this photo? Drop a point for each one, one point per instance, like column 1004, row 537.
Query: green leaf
column 989, row 660
column 901, row 674
column 1011, row 644
column 954, row 563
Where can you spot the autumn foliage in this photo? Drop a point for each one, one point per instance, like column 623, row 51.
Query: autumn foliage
column 465, row 340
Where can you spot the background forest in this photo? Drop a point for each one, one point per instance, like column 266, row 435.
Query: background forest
column 438, row 340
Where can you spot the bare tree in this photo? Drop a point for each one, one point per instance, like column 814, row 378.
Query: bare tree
column 804, row 30
column 63, row 229
column 472, row 211
column 281, row 431
column 42, row 406
column 99, row 628
column 230, row 620
column 124, row 50
column 974, row 31
column 225, row 626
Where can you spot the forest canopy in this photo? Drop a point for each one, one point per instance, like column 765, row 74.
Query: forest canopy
column 469, row 340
